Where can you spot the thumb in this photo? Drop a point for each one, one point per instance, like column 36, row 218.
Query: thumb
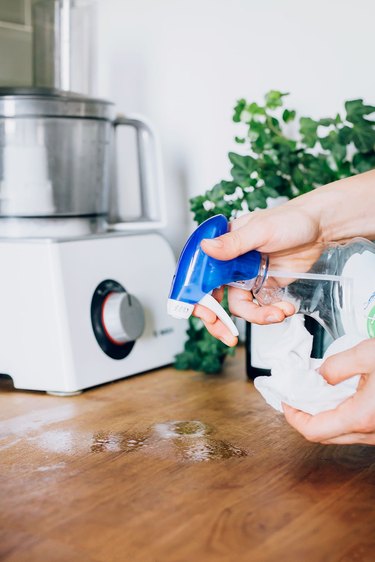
column 357, row 360
column 232, row 244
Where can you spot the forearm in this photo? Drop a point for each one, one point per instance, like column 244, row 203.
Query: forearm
column 344, row 209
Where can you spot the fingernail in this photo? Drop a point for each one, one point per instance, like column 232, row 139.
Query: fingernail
column 272, row 318
column 229, row 341
column 224, row 341
column 214, row 242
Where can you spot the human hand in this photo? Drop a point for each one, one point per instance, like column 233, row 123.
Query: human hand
column 353, row 421
column 289, row 234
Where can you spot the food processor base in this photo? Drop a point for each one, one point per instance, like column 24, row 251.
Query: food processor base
column 50, row 339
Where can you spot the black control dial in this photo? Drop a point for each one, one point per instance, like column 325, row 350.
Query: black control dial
column 117, row 319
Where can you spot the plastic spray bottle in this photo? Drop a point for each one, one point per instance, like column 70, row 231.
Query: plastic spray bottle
column 335, row 284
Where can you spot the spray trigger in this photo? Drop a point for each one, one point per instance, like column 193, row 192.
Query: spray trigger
column 209, row 302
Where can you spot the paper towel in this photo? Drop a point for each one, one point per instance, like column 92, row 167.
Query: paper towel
column 294, row 379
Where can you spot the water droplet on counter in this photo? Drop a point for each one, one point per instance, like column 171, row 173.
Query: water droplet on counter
column 128, row 445
column 105, row 442
column 177, row 428
column 203, row 450
column 116, row 442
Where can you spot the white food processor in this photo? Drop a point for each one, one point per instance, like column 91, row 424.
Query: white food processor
column 81, row 299
column 82, row 296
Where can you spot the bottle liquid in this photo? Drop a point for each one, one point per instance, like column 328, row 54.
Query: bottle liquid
column 337, row 290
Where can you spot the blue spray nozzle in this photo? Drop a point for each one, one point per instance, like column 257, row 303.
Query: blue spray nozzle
column 198, row 274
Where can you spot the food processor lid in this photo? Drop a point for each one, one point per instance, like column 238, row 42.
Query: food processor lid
column 49, row 102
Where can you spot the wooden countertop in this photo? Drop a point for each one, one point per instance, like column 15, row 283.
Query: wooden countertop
column 176, row 467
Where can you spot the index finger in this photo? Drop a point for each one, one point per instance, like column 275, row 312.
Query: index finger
column 229, row 245
column 245, row 233
column 215, row 326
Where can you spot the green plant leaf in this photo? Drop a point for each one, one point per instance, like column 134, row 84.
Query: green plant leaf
column 274, row 99
column 270, row 191
column 364, row 138
column 255, row 109
column 298, row 179
column 364, row 162
column 238, row 109
column 220, row 189
column 243, row 166
column 183, row 361
column 308, row 130
column 211, row 365
column 243, row 162
column 273, row 180
column 328, row 121
column 256, row 199
column 356, row 110
column 288, row 115
column 345, row 135
column 344, row 170
column 331, row 143
column 338, row 152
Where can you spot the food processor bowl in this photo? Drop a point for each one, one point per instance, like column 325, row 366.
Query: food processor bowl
column 56, row 156
column 54, row 161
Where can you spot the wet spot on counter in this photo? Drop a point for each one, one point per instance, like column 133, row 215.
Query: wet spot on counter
column 203, row 450
column 51, row 467
column 190, row 441
column 105, row 442
column 181, row 428
column 183, row 440
column 116, row 442
column 58, row 441
column 133, row 443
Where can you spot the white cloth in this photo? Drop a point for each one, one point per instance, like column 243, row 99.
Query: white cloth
column 294, row 379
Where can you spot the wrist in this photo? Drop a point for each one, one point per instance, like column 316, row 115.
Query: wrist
column 332, row 218
column 317, row 205
column 342, row 209
column 348, row 208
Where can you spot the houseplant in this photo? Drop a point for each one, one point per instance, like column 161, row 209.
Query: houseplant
column 280, row 155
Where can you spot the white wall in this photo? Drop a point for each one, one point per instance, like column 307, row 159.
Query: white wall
column 184, row 63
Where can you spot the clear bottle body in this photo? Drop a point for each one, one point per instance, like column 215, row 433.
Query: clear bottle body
column 337, row 289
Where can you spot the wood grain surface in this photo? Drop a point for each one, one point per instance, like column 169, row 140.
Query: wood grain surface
column 176, row 467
